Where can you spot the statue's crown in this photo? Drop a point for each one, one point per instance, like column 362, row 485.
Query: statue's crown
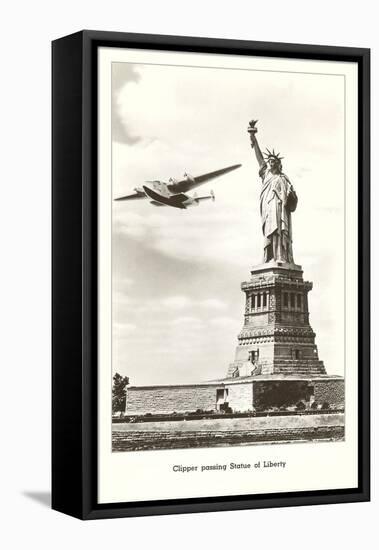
column 272, row 155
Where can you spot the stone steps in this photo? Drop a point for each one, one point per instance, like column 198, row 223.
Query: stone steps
column 311, row 367
column 299, row 366
column 295, row 368
column 288, row 366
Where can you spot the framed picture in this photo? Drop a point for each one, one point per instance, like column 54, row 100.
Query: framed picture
column 210, row 274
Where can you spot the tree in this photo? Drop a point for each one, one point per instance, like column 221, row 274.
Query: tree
column 119, row 393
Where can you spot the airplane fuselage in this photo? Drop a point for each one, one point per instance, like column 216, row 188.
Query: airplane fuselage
column 160, row 195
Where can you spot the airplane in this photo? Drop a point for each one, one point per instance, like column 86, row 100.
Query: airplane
column 174, row 193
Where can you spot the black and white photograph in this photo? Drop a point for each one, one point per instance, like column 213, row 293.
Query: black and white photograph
column 228, row 256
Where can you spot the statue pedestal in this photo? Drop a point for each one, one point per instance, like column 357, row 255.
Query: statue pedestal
column 276, row 337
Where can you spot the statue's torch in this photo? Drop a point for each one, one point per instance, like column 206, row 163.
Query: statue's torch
column 252, row 131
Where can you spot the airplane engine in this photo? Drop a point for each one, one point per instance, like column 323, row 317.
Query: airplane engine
column 189, row 178
column 195, row 199
column 191, row 201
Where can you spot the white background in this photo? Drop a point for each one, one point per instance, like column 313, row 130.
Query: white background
column 27, row 29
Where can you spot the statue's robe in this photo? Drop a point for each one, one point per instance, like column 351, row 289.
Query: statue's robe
column 277, row 200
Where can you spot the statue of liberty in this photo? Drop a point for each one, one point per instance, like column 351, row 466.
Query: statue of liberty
column 278, row 200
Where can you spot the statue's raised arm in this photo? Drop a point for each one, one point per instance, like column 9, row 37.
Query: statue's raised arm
column 254, row 142
column 278, row 200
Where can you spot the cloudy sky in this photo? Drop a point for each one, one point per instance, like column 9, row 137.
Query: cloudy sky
column 177, row 303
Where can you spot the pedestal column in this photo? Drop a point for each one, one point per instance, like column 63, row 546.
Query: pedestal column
column 276, row 337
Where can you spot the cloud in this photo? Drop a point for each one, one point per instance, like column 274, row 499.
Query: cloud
column 122, row 74
column 167, row 303
column 175, row 302
column 213, row 303
column 190, row 235
column 123, row 328
column 122, row 284
column 225, row 322
column 186, row 322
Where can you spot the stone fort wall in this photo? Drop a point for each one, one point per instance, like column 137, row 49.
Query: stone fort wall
column 169, row 399
column 278, row 393
column 187, row 398
column 330, row 391
column 241, row 396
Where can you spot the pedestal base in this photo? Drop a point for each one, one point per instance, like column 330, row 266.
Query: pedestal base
column 276, row 337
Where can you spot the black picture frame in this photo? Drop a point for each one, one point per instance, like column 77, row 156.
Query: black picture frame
column 74, row 273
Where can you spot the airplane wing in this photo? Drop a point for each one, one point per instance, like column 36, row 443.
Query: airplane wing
column 190, row 183
column 132, row 197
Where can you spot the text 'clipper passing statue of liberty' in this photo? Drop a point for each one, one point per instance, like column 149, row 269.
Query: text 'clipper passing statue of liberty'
column 278, row 200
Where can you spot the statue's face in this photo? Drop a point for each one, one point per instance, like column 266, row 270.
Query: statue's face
column 274, row 165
